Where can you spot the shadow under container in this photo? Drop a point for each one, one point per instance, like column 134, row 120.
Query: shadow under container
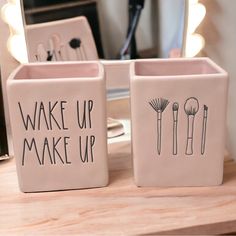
column 58, row 120
column 178, row 113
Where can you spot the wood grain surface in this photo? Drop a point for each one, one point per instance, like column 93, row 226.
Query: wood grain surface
column 120, row 208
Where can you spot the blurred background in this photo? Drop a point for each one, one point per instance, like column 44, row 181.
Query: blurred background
column 161, row 30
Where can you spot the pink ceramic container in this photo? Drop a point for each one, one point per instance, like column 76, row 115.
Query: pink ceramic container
column 58, row 119
column 61, row 40
column 178, row 109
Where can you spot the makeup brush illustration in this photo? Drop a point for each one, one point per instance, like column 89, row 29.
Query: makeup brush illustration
column 41, row 53
column 175, row 109
column 56, row 41
column 159, row 105
column 191, row 107
column 83, row 52
column 51, row 51
column 204, row 126
column 49, row 56
column 75, row 43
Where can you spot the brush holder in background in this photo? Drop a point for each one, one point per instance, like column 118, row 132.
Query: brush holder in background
column 58, row 119
column 61, row 40
column 178, row 113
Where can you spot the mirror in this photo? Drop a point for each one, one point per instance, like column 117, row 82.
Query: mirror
column 162, row 28
column 121, row 29
column 160, row 32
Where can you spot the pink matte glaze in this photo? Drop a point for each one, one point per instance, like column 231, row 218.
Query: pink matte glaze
column 56, row 35
column 68, row 82
column 177, row 80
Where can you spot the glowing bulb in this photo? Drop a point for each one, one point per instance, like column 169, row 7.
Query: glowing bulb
column 196, row 15
column 194, row 45
column 12, row 16
column 13, row 1
column 16, row 44
column 192, row 2
column 18, row 52
column 194, row 42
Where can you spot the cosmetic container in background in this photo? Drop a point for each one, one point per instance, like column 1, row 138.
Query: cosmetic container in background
column 178, row 114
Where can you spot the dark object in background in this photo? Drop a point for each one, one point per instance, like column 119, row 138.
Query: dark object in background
column 129, row 49
column 3, row 132
column 75, row 43
column 40, row 11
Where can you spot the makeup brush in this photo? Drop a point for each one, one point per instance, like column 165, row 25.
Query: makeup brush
column 191, row 107
column 56, row 41
column 75, row 43
column 41, row 53
column 159, row 105
column 204, row 126
column 175, row 109
column 51, row 51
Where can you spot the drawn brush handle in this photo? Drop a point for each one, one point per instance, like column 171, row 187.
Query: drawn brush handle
column 204, row 130
column 78, row 54
column 159, row 117
column 189, row 146
column 175, row 116
column 175, row 138
column 175, row 108
column 83, row 52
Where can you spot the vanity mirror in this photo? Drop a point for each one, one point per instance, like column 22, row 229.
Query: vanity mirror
column 164, row 29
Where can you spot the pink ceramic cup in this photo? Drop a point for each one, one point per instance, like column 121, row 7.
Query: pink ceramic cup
column 178, row 110
column 58, row 119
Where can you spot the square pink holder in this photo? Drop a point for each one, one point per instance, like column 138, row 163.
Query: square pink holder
column 178, row 117
column 58, row 119
column 178, row 113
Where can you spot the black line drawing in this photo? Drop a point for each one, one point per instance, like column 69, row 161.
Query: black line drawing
column 76, row 44
column 175, row 109
column 49, row 55
column 56, row 40
column 191, row 107
column 159, row 105
column 41, row 54
column 204, row 128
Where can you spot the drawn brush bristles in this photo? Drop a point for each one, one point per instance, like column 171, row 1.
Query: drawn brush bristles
column 191, row 107
column 175, row 106
column 159, row 105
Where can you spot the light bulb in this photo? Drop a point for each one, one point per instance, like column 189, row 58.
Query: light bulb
column 194, row 42
column 192, row 2
column 16, row 44
column 194, row 45
column 196, row 15
column 17, row 47
column 11, row 15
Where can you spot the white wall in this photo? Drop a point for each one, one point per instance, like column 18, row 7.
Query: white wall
column 113, row 17
column 219, row 30
column 171, row 25
column 160, row 27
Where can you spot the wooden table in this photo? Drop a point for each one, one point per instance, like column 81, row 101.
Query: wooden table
column 119, row 209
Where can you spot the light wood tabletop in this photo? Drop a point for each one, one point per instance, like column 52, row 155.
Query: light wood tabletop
column 121, row 208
